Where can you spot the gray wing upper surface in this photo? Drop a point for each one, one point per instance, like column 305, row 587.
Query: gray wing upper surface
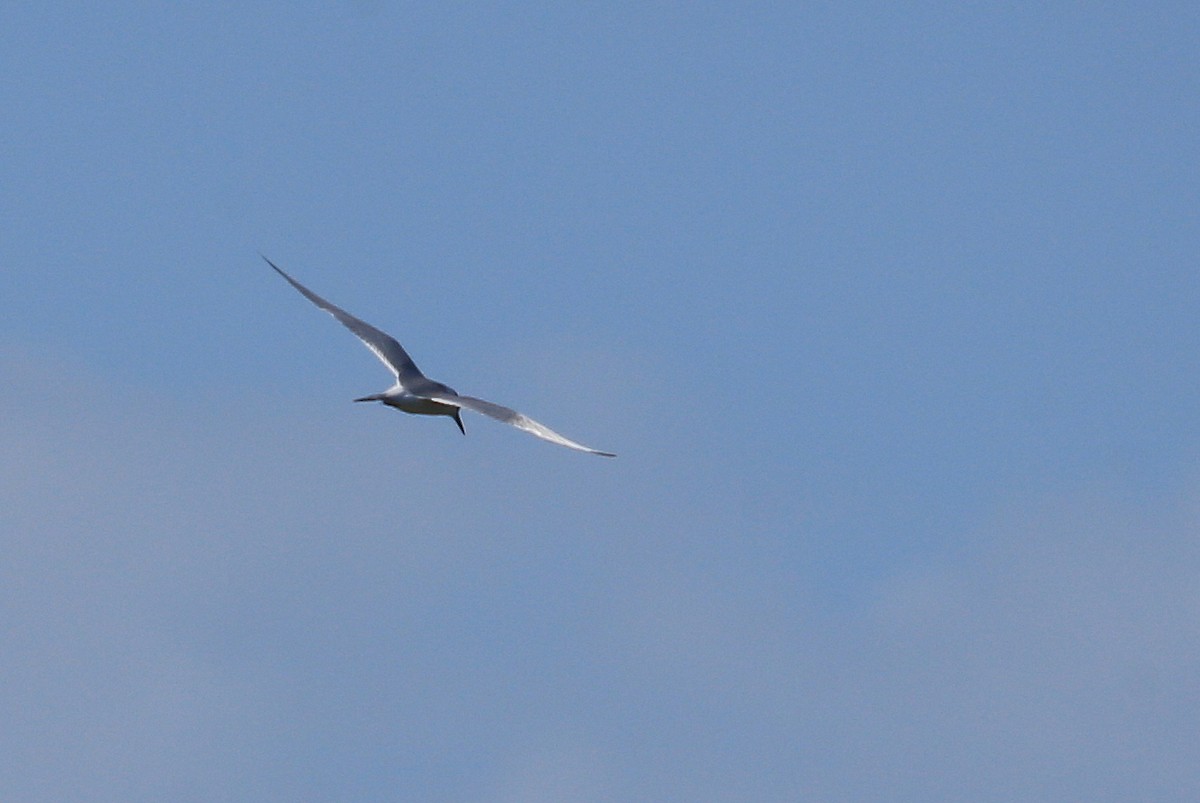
column 512, row 417
column 384, row 346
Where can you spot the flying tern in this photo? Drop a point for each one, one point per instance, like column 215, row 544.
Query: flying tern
column 417, row 394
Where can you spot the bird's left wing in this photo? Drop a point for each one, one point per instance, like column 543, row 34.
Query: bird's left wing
column 385, row 347
column 513, row 418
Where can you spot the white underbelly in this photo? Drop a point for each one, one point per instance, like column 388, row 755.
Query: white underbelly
column 417, row 405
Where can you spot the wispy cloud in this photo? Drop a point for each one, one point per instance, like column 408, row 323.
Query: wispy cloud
column 207, row 602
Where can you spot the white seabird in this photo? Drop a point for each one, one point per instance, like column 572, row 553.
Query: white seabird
column 414, row 392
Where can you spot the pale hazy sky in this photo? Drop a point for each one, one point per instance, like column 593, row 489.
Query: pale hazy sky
column 891, row 313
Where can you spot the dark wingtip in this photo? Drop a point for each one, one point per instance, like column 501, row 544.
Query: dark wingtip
column 458, row 420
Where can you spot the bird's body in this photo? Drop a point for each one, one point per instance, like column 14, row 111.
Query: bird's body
column 407, row 401
column 416, row 393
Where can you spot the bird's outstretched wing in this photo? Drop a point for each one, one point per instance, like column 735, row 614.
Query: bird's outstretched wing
column 514, row 418
column 385, row 347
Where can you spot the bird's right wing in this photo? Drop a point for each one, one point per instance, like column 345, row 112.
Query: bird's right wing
column 515, row 419
column 384, row 346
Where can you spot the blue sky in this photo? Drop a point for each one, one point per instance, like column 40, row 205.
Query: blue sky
column 890, row 313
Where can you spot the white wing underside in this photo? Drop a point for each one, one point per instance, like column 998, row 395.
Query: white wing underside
column 513, row 418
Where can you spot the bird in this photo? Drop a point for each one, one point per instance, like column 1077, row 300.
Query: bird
column 415, row 393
